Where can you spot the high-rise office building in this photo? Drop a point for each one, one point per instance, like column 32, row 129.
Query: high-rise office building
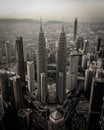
column 41, row 59
column 8, row 51
column 85, row 46
column 96, row 103
column 25, row 118
column 74, row 62
column 101, row 121
column 89, row 74
column 1, row 112
column 1, row 106
column 30, row 76
column 72, row 81
column 98, row 44
column 84, row 62
column 14, row 48
column 67, row 80
column 61, row 87
column 73, row 70
column 16, row 91
column 20, row 59
column 43, row 88
column 1, row 56
column 4, row 84
column 61, row 63
column 99, row 63
column 52, row 98
column 75, row 29
column 80, row 43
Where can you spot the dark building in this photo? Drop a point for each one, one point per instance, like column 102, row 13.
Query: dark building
column 20, row 59
column 101, row 122
column 4, row 84
column 98, row 44
column 41, row 60
column 89, row 74
column 96, row 103
column 1, row 111
column 25, row 118
column 61, row 65
column 96, row 96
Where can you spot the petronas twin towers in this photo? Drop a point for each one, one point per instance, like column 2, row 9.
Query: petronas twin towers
column 42, row 67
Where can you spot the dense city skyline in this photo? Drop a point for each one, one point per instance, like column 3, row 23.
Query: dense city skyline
column 44, row 86
column 51, row 9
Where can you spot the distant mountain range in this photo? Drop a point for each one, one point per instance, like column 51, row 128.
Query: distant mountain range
column 4, row 20
column 18, row 20
column 28, row 21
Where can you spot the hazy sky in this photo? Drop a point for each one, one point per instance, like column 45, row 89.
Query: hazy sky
column 51, row 9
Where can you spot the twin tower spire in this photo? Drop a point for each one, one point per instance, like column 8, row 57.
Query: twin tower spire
column 42, row 67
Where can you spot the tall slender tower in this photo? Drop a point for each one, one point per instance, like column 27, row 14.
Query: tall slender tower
column 41, row 59
column 20, row 58
column 98, row 44
column 8, row 51
column 75, row 29
column 61, row 66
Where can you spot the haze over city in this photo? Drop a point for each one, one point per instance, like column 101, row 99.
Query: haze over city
column 51, row 9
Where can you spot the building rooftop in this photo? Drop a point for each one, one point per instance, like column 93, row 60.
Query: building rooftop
column 56, row 115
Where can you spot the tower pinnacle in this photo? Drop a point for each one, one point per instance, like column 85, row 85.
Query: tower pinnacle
column 41, row 27
column 62, row 30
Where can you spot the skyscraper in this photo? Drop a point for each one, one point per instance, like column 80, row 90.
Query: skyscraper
column 80, row 43
column 20, row 58
column 75, row 29
column 8, row 51
column 1, row 111
column 30, row 76
column 89, row 74
column 61, row 64
column 43, row 88
column 41, row 59
column 25, row 118
column 98, row 44
column 4, row 85
column 15, row 83
column 61, row 86
column 1, row 106
column 73, row 70
column 96, row 102
column 74, row 60
column 1, row 56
